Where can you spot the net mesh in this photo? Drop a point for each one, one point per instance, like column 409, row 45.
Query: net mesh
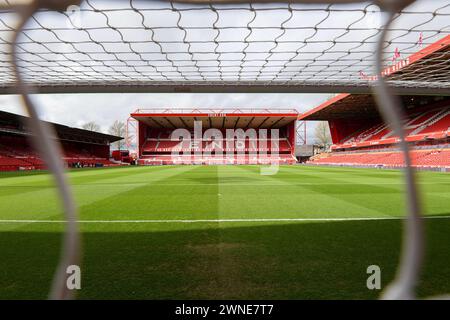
column 159, row 44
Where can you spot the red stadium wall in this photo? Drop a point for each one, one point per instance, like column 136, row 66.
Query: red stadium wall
column 142, row 135
column 290, row 133
column 343, row 128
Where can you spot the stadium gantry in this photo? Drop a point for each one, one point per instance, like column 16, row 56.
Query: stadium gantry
column 226, row 46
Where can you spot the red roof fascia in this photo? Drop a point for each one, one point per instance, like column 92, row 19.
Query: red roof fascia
column 187, row 115
column 324, row 105
column 436, row 46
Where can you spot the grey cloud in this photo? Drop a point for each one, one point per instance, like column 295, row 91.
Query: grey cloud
column 77, row 109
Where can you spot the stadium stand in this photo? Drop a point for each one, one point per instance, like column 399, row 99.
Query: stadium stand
column 360, row 138
column 420, row 158
column 156, row 145
column 81, row 147
column 416, row 125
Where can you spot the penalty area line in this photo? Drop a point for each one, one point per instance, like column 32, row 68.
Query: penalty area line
column 224, row 220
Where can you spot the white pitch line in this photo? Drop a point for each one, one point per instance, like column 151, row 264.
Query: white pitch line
column 223, row 220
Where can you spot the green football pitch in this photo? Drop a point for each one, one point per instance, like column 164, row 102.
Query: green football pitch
column 221, row 232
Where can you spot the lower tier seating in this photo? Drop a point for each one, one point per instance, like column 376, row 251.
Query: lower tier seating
column 22, row 157
column 168, row 159
column 420, row 158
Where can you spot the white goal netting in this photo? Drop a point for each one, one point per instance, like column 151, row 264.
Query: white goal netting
column 108, row 46
column 227, row 46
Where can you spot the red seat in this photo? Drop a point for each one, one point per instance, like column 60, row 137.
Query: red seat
column 420, row 158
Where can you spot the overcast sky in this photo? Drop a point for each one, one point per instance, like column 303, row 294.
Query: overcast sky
column 77, row 109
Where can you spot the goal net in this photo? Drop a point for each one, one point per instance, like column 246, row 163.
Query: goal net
column 226, row 46
column 208, row 46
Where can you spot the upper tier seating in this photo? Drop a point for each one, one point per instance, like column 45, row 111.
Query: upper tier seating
column 155, row 146
column 423, row 123
column 159, row 149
